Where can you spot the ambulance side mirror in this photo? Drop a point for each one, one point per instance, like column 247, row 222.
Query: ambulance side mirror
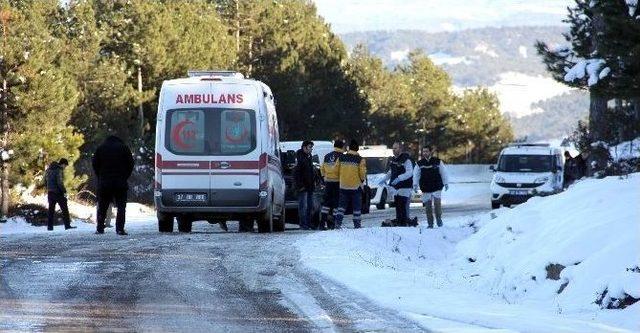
column 492, row 168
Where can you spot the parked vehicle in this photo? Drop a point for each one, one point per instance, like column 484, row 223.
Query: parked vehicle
column 526, row 170
column 320, row 149
column 377, row 158
column 218, row 152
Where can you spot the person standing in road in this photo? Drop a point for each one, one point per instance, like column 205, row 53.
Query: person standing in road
column 330, row 171
column 57, row 193
column 400, row 175
column 113, row 165
column 304, row 177
column 353, row 173
column 430, row 176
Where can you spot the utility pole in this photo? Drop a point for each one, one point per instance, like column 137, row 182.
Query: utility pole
column 5, row 16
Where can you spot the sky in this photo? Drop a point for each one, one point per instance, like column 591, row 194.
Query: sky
column 438, row 15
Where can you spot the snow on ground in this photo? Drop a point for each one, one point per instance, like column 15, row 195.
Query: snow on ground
column 84, row 217
column 626, row 150
column 452, row 277
column 517, row 91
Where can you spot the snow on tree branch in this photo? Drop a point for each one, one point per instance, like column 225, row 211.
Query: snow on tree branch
column 592, row 68
column 633, row 6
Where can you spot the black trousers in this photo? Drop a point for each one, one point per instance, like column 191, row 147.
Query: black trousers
column 401, row 210
column 57, row 198
column 107, row 195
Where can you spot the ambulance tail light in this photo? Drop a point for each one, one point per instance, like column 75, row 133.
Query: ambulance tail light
column 263, row 172
column 157, row 185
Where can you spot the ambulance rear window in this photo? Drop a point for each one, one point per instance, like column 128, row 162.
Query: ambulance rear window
column 210, row 131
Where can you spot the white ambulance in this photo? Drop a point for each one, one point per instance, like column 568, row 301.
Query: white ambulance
column 218, row 153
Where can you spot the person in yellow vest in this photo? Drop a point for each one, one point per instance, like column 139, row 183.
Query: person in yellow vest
column 353, row 172
column 330, row 171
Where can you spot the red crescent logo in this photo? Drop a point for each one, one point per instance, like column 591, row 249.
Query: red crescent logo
column 234, row 139
column 175, row 134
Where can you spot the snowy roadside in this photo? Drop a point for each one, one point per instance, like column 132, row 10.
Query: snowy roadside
column 540, row 267
column 84, row 217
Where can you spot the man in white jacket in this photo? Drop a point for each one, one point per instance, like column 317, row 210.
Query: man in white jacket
column 399, row 176
column 430, row 176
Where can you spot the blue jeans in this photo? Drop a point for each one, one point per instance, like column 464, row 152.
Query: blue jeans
column 347, row 197
column 305, row 206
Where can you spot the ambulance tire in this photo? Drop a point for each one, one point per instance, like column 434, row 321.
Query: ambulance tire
column 279, row 222
column 184, row 224
column 165, row 222
column 265, row 222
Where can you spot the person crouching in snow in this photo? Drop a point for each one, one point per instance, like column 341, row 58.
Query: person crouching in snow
column 430, row 176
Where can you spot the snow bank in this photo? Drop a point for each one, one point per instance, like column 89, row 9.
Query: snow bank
column 469, row 173
column 626, row 150
column 593, row 230
column 507, row 274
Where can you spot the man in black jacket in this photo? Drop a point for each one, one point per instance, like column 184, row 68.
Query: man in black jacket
column 304, row 177
column 112, row 164
column 57, row 193
column 430, row 176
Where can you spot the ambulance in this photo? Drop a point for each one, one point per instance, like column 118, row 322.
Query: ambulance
column 218, row 153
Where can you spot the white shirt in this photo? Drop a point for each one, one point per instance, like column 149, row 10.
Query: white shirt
column 443, row 174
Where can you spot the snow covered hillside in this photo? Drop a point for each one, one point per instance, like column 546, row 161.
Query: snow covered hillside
column 569, row 262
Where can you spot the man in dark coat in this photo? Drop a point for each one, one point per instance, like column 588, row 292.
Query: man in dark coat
column 304, row 178
column 112, row 164
column 569, row 169
column 57, row 193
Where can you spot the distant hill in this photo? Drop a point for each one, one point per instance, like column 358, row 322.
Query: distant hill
column 503, row 59
column 472, row 57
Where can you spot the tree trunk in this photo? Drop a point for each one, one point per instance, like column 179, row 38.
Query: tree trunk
column 4, row 207
column 140, row 108
column 597, row 109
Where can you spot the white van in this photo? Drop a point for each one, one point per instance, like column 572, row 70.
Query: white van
column 526, row 170
column 377, row 158
column 218, row 152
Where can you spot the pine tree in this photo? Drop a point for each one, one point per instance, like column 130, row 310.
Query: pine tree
column 40, row 96
column 603, row 57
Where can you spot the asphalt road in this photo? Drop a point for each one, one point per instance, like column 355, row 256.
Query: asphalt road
column 206, row 281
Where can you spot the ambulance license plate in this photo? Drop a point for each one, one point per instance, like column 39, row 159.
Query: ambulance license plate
column 190, row 197
column 519, row 192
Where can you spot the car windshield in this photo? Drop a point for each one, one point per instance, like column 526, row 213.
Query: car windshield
column 211, row 131
column 376, row 165
column 525, row 163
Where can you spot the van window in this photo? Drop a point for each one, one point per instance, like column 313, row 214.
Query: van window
column 376, row 165
column 211, row 131
column 525, row 163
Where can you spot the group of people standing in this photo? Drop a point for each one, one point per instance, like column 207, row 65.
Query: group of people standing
column 345, row 173
column 112, row 164
column 429, row 175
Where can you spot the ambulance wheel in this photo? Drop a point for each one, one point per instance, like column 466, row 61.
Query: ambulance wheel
column 279, row 222
column 165, row 222
column 495, row 205
column 184, row 224
column 383, row 200
column 265, row 222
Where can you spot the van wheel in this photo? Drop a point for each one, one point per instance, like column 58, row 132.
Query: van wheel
column 165, row 222
column 383, row 200
column 265, row 222
column 495, row 205
column 184, row 224
column 279, row 223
